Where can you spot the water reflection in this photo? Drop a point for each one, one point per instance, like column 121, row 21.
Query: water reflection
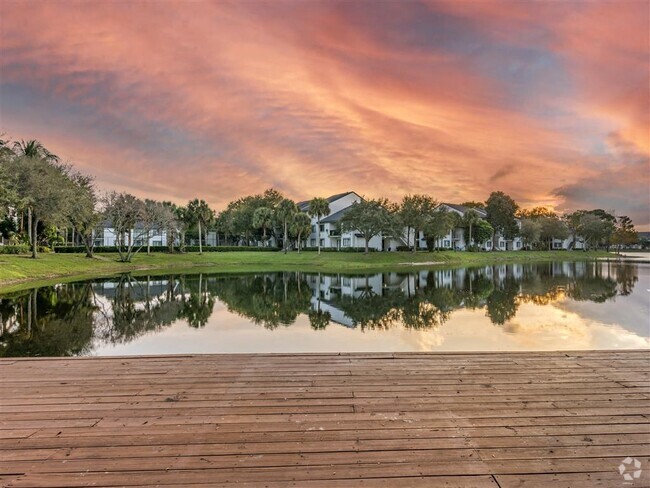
column 79, row 318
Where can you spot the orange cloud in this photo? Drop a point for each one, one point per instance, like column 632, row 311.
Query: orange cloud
column 223, row 99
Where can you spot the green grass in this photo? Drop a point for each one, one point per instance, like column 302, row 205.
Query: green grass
column 22, row 271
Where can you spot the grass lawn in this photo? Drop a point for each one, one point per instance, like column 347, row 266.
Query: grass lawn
column 22, row 271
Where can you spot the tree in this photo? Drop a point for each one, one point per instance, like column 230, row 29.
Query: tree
column 183, row 222
column 25, row 151
column 551, row 227
column 535, row 213
column 470, row 218
column 625, row 234
column 300, row 226
column 123, row 211
column 319, row 208
column 483, row 232
column 171, row 223
column 472, row 204
column 369, row 218
column 284, row 214
column 414, row 211
column 501, row 210
column 594, row 229
column 439, row 224
column 83, row 214
column 45, row 188
column 263, row 219
column 200, row 214
column 154, row 217
column 34, row 149
column 531, row 230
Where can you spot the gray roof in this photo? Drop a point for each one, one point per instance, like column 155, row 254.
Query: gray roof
column 462, row 209
column 335, row 217
column 304, row 205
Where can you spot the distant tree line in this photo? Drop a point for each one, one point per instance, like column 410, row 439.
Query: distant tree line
column 45, row 202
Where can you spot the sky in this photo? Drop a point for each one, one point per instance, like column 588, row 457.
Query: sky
column 546, row 101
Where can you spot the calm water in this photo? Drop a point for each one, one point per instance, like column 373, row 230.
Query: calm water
column 505, row 307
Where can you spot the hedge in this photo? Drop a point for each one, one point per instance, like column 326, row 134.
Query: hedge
column 344, row 249
column 19, row 249
column 111, row 249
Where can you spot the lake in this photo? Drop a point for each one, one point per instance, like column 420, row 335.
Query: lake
column 507, row 307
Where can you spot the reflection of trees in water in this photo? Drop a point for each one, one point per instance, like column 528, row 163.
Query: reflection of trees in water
column 501, row 305
column 66, row 319
column 49, row 321
column 269, row 299
column 137, row 308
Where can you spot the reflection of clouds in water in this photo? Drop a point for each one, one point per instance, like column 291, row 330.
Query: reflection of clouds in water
column 534, row 328
column 539, row 307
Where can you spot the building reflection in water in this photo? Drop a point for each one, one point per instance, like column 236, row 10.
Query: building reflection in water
column 70, row 319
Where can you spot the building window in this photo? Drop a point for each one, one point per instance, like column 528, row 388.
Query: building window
column 313, row 229
column 488, row 244
column 312, row 243
column 502, row 245
column 346, row 242
column 322, row 227
column 446, row 243
column 322, row 242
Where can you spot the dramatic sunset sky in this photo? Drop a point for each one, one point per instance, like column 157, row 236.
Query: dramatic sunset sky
column 547, row 101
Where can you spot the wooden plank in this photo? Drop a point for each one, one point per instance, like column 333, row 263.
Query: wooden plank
column 407, row 419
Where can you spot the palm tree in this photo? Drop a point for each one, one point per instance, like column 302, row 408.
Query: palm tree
column 34, row 149
column 300, row 226
column 470, row 218
column 263, row 219
column 284, row 213
column 201, row 214
column 318, row 207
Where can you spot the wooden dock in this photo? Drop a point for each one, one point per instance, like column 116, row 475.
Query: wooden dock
column 326, row 420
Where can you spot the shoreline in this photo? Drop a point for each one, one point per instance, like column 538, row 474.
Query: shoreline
column 20, row 271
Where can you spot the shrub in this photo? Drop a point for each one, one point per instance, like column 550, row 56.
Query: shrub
column 157, row 249
column 329, row 249
column 17, row 249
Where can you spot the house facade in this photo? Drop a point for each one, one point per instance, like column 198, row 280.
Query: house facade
column 330, row 237
column 328, row 233
column 106, row 235
column 455, row 239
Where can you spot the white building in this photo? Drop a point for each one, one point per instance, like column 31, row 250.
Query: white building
column 105, row 235
column 455, row 239
column 329, row 235
column 331, row 238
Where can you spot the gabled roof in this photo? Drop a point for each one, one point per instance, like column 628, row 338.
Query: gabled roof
column 335, row 217
column 303, row 206
column 462, row 209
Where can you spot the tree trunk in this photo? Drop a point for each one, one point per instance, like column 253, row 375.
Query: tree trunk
column 30, row 232
column 299, row 243
column 34, row 223
column 286, row 237
column 470, row 235
column 367, row 247
column 148, row 243
column 318, row 233
column 89, row 245
column 200, row 246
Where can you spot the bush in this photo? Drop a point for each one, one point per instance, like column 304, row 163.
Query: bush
column 329, row 249
column 18, row 249
column 157, row 249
